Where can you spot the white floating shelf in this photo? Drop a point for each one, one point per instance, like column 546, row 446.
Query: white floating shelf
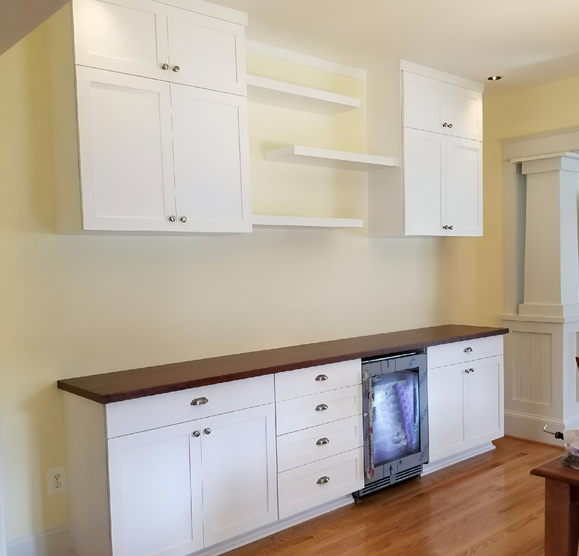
column 296, row 97
column 306, row 222
column 298, row 154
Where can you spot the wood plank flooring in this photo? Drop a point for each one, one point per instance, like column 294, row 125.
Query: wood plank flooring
column 486, row 506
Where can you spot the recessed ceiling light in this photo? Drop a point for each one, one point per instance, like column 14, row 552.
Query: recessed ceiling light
column 494, row 78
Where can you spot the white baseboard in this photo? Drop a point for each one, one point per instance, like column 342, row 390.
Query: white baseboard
column 57, row 542
column 49, row 543
column 530, row 427
column 451, row 460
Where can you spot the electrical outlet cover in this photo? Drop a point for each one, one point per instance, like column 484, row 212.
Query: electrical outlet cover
column 56, row 480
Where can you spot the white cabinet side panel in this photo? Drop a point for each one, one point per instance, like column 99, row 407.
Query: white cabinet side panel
column 86, row 460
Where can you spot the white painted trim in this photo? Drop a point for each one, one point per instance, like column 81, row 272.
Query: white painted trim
column 303, row 59
column 530, row 427
column 441, row 76
column 49, row 543
column 565, row 140
column 457, row 458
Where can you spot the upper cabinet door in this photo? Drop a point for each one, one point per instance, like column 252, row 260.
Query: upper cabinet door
column 125, row 151
column 128, row 36
column 433, row 105
column 463, row 110
column 206, row 52
column 464, row 187
column 211, row 151
column 423, row 103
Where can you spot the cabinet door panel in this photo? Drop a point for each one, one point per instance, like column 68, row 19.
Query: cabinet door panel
column 485, row 401
column 423, row 103
column 207, row 51
column 155, row 491
column 128, row 36
column 239, row 469
column 125, row 151
column 464, row 110
column 446, row 402
column 464, row 186
column 211, row 160
column 424, row 174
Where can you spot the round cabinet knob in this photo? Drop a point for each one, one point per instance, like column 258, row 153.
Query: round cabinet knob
column 445, row 227
column 449, row 126
column 321, row 407
column 176, row 69
column 323, row 480
column 322, row 441
column 207, row 430
column 172, row 218
column 196, row 434
column 444, row 124
column 165, row 67
column 319, row 378
column 450, row 227
column 183, row 219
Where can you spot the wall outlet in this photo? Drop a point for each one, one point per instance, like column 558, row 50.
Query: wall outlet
column 56, row 480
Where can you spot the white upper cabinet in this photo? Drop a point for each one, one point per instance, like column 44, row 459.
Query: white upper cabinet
column 433, row 105
column 151, row 39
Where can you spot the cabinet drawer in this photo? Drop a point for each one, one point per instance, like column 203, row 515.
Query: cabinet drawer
column 312, row 380
column 459, row 352
column 151, row 412
column 310, row 411
column 301, row 489
column 316, row 443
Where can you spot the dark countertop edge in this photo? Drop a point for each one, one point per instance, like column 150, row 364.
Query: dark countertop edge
column 148, row 381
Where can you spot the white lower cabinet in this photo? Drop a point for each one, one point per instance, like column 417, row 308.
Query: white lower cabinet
column 320, row 438
column 465, row 398
column 172, row 490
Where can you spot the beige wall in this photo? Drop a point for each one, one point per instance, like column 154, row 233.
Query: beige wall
column 73, row 305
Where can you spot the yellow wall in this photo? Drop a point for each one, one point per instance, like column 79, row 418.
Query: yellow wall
column 531, row 111
column 73, row 305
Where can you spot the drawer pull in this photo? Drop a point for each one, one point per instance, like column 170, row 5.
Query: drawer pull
column 323, row 480
column 199, row 401
column 467, row 350
column 321, row 407
column 469, row 371
column 319, row 378
column 207, row 430
column 322, row 441
column 196, row 434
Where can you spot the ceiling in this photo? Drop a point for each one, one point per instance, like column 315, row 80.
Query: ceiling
column 528, row 42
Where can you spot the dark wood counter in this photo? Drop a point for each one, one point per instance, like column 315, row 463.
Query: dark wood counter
column 148, row 381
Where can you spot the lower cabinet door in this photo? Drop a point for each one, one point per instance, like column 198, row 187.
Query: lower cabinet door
column 239, row 471
column 485, row 400
column 155, row 493
column 310, row 485
column 446, row 417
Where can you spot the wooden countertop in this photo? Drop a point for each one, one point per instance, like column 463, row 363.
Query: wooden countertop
column 148, row 381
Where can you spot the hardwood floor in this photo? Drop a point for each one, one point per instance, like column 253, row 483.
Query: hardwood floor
column 486, row 506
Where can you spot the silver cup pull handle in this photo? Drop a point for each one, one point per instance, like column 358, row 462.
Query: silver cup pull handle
column 322, row 441
column 199, row 401
column 323, row 480
column 321, row 407
column 319, row 378
column 467, row 350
